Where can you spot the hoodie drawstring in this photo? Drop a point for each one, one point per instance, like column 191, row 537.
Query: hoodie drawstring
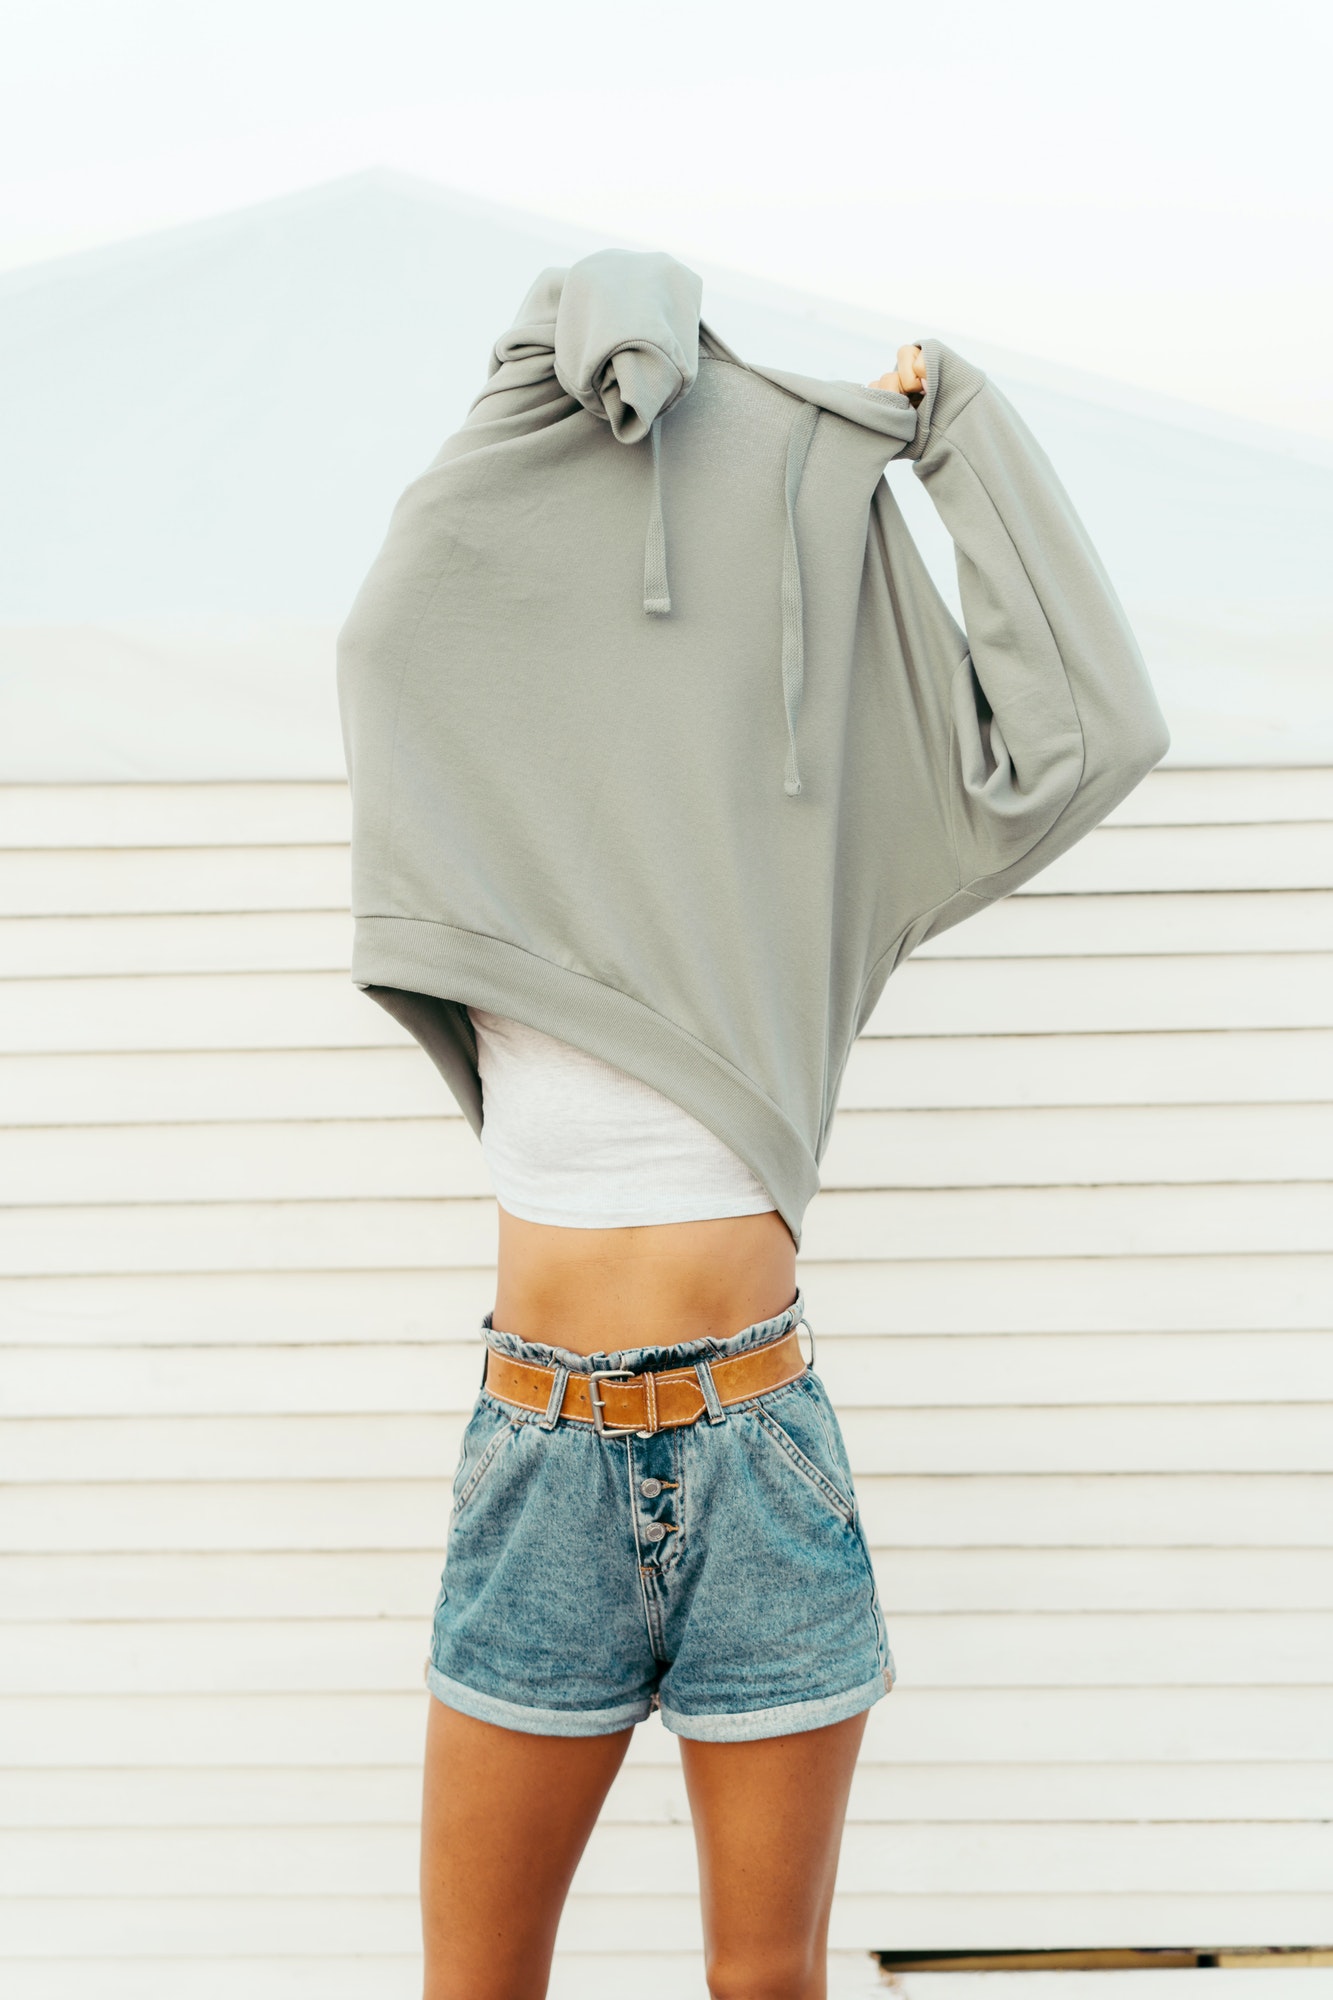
column 657, row 595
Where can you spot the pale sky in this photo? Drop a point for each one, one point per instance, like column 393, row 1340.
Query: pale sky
column 1143, row 190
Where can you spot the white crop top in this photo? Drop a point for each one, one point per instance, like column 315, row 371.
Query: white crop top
column 571, row 1140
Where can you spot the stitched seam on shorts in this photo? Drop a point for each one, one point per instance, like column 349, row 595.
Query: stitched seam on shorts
column 808, row 1471
column 819, row 1408
column 652, row 1610
column 877, row 1619
column 479, row 1469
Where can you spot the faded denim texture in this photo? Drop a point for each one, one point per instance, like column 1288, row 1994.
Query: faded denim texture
column 718, row 1572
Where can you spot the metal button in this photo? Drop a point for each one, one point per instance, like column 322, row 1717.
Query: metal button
column 650, row 1488
column 655, row 1531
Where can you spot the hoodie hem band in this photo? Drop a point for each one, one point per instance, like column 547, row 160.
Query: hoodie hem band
column 412, row 956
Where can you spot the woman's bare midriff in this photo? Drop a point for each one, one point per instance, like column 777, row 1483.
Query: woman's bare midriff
column 593, row 1290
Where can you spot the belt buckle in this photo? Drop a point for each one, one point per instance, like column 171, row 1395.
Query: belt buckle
column 599, row 1422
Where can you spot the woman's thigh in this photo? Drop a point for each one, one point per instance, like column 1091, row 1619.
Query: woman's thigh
column 768, row 1820
column 505, row 1817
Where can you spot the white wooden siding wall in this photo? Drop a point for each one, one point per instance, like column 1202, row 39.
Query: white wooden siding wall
column 1071, row 1277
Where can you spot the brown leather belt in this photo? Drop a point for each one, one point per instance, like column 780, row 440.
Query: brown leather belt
column 618, row 1399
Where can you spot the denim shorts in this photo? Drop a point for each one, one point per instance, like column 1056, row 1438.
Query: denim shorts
column 717, row 1572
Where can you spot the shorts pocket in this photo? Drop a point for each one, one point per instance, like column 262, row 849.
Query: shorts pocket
column 487, row 1433
column 802, row 1437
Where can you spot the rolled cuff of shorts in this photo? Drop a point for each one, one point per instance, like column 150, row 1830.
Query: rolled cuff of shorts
column 536, row 1721
column 789, row 1720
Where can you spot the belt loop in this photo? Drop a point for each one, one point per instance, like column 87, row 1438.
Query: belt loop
column 555, row 1399
column 708, row 1389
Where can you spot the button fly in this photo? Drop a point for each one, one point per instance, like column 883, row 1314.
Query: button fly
column 650, row 1488
column 655, row 1532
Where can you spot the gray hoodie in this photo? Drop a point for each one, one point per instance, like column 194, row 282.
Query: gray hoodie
column 661, row 738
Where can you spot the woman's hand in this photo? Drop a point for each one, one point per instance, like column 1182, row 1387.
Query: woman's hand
column 909, row 378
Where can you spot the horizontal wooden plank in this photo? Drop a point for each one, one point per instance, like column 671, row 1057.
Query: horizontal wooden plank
column 646, row 1794
column 956, row 1649
column 1233, row 1066
column 364, row 1976
column 223, row 1010
column 372, row 1514
column 965, row 1370
column 70, row 1450
column 309, row 1977
column 1056, row 1146
column 252, row 1235
column 1115, row 1510
column 154, row 1087
column 977, row 1728
column 112, row 1929
column 579, row 1976
column 1017, row 1859
column 1125, row 859
column 951, row 1296
column 441, row 1158
column 234, row 1929
column 1107, row 1222
column 371, row 1583
column 1265, row 1437
column 288, row 1308
column 1116, row 996
column 873, row 1373
column 384, row 1583
column 1107, row 926
column 1100, row 1579
column 271, row 1162
column 895, row 1225
column 166, row 1087
column 230, row 815
column 1232, row 796
column 1017, row 927
column 259, row 941
column 585, row 1976
column 129, row 881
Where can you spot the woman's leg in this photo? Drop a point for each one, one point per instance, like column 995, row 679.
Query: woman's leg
column 505, row 1817
column 768, row 1821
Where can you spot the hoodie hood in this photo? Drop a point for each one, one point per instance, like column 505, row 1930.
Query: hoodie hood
column 627, row 337
column 622, row 334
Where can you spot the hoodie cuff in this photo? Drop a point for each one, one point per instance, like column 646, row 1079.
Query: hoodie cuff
column 951, row 383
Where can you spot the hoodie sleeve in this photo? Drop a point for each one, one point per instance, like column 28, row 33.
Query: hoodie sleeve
column 1052, row 718
column 616, row 334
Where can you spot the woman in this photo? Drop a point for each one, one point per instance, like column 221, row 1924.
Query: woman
column 635, row 866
